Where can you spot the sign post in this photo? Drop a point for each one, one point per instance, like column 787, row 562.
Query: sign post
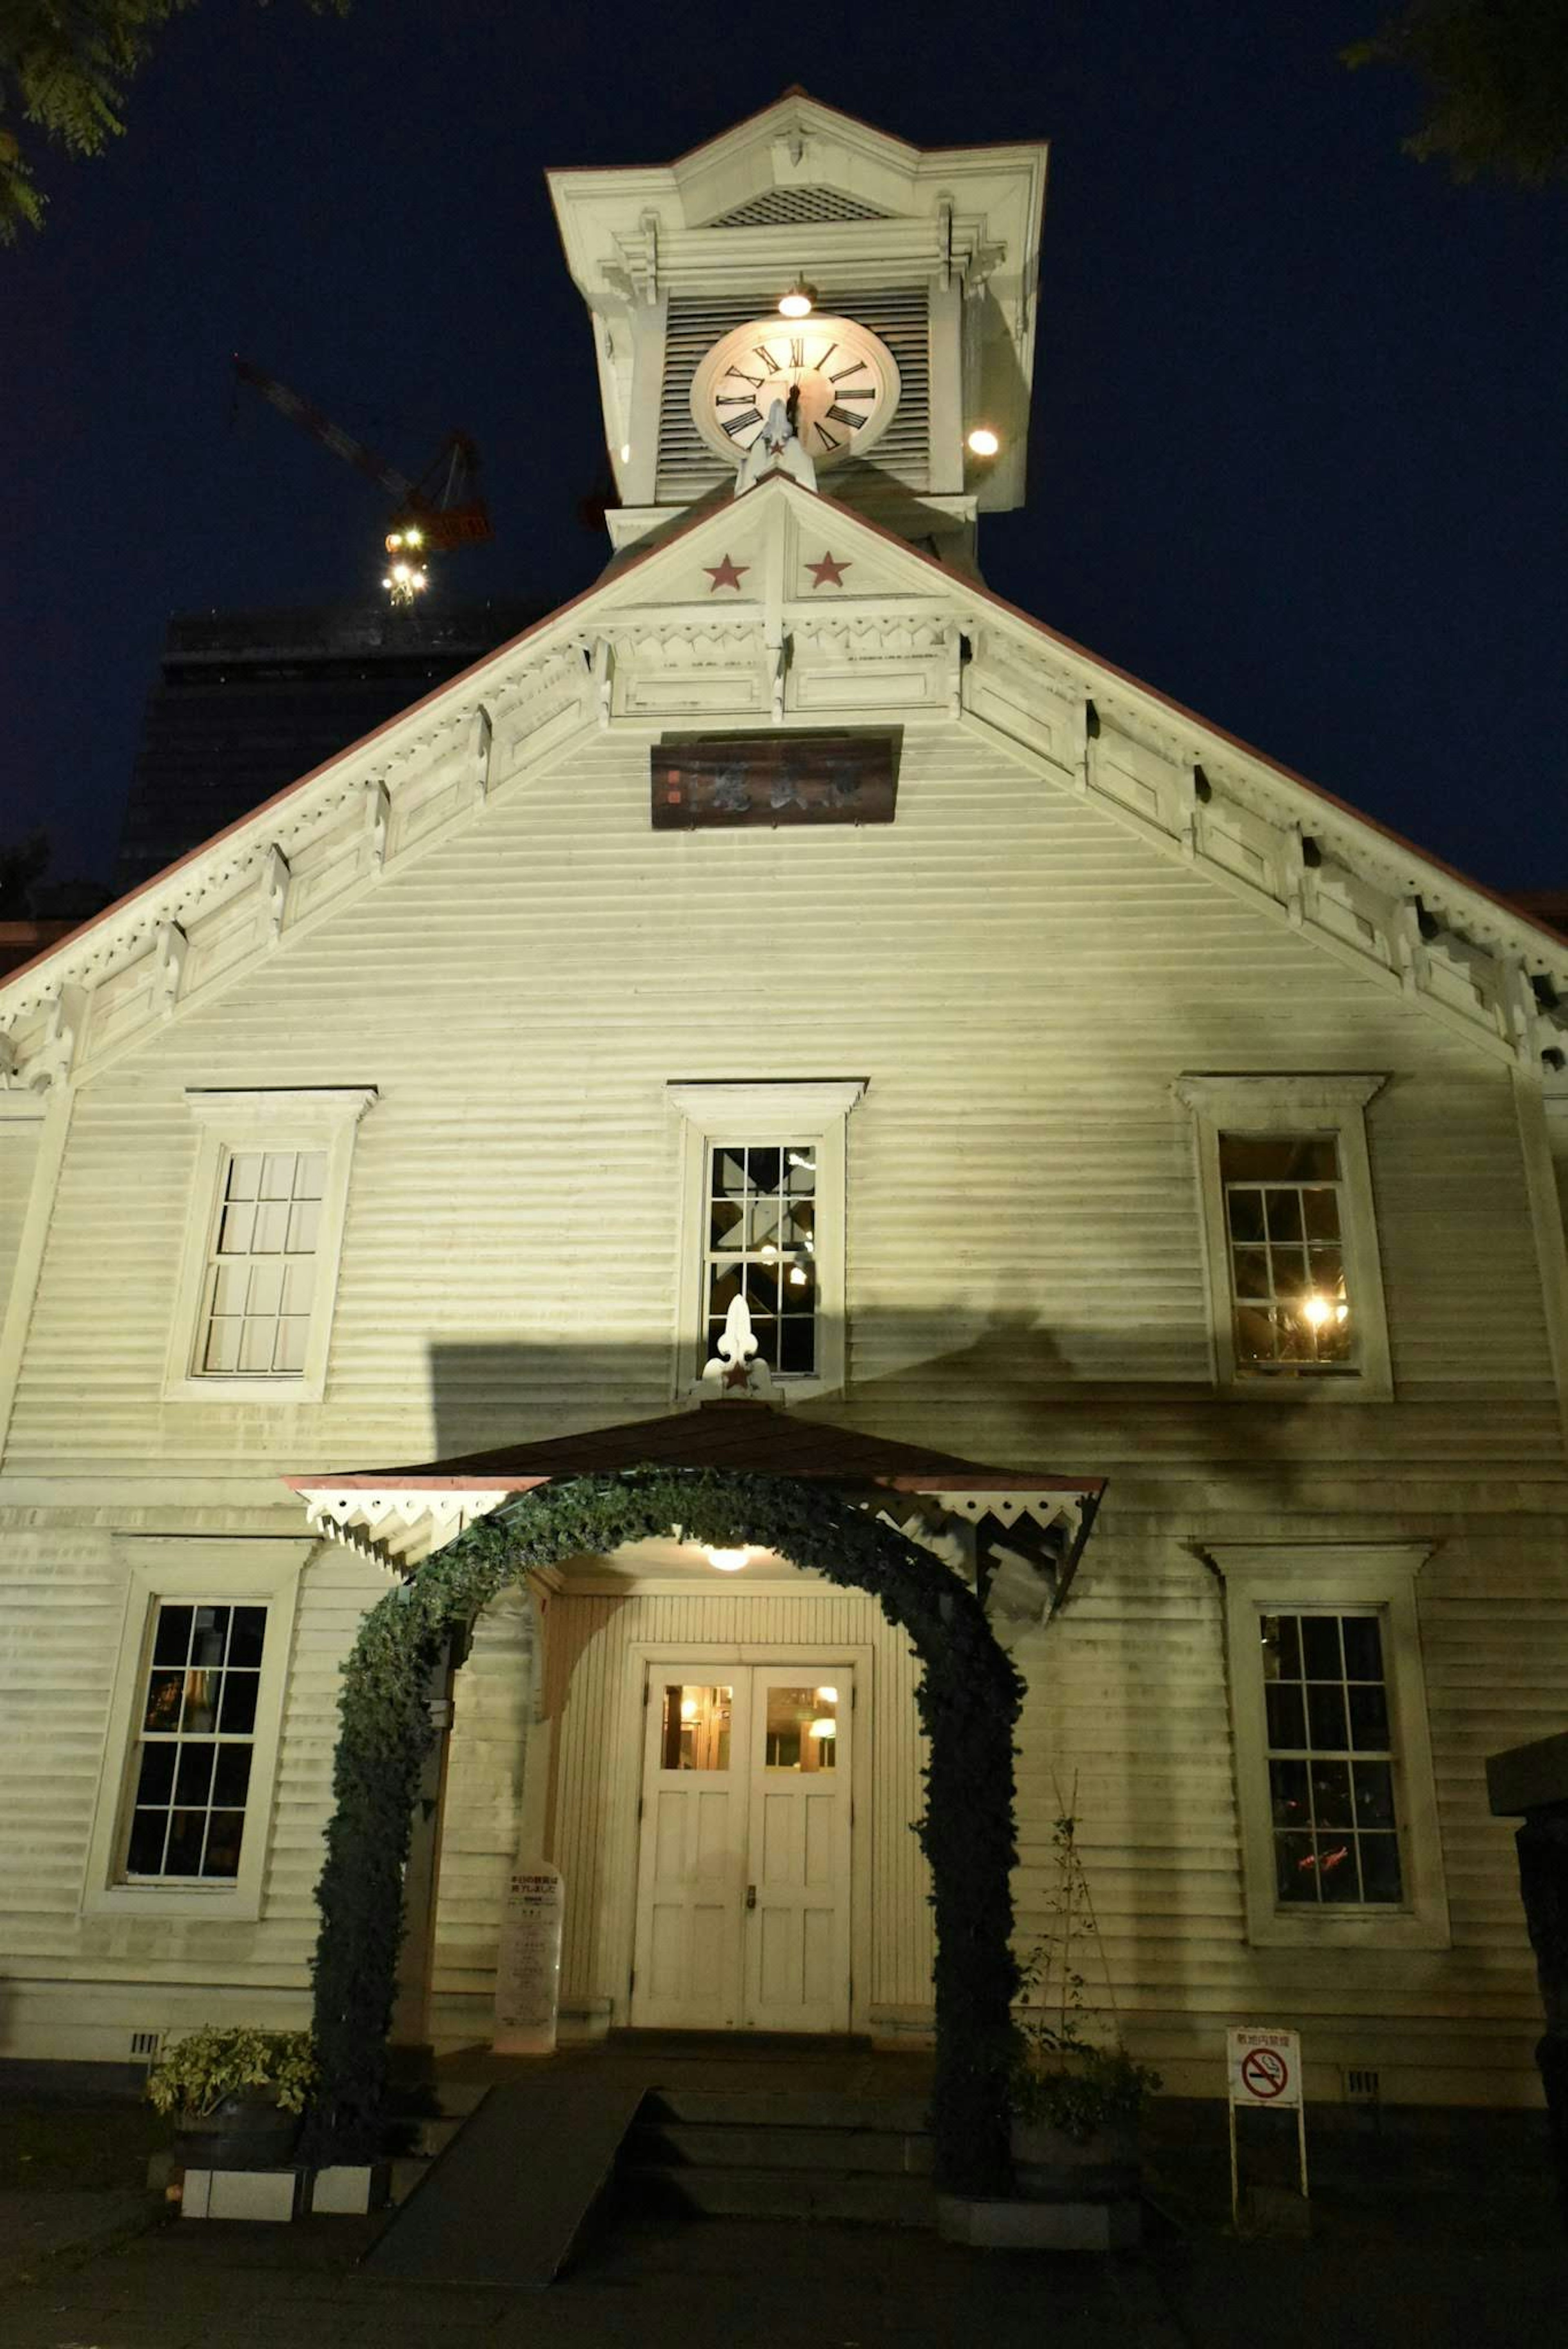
column 528, row 1964
column 1264, row 2073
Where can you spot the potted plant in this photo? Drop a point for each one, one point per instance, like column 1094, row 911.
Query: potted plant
column 238, row 2095
column 1076, row 2096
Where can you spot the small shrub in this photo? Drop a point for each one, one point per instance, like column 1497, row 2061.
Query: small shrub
column 220, row 2061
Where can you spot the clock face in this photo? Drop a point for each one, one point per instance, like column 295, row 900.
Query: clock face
column 846, row 378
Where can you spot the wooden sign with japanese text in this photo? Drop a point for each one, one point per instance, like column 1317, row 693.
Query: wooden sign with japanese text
column 743, row 781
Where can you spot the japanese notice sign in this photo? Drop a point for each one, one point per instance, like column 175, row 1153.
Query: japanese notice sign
column 1265, row 2068
column 528, row 1965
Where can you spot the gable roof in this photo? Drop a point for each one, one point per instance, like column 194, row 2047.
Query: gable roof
column 898, row 639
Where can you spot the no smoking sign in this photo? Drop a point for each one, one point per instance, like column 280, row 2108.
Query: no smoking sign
column 1265, row 2068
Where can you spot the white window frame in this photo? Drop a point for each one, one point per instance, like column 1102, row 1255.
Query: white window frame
column 768, row 1115
column 236, row 1572
column 1305, row 1104
column 1288, row 1577
column 324, row 1117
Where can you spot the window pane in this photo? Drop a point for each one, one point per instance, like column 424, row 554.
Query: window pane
column 1363, row 1647
column 211, row 1635
column 156, row 1782
column 223, row 1836
column 1368, row 1718
column 1337, row 1877
column 310, row 1176
column 199, row 1717
column 193, row 1785
column 694, row 1728
column 246, row 1634
column 165, row 1691
column 764, row 1168
column 1282, row 1647
column 239, row 1703
column 1380, row 1877
column 144, row 1854
column 1374, row 1795
column 1320, row 1214
column 243, row 1179
column 1288, row 1793
column 726, row 1224
column 231, row 1776
column 800, row 1731
column 1246, row 1211
column 1320, row 1646
column 1331, row 1793
column 172, row 1642
column 1295, row 1867
column 797, row 1348
column 1283, row 1211
column 187, row 1832
column 1279, row 1158
column 1287, row 1714
column 1325, row 1718
column 1252, row 1272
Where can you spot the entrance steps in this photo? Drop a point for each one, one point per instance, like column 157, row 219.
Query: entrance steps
column 810, row 2153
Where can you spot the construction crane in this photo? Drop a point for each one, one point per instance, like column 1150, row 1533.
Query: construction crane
column 441, row 509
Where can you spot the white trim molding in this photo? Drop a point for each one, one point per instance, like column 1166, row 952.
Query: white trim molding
column 1325, row 1577
column 229, row 1571
column 1313, row 1102
column 806, row 1109
column 320, row 1117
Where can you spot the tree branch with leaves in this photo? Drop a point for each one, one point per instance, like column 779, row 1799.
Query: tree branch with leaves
column 64, row 67
column 1494, row 73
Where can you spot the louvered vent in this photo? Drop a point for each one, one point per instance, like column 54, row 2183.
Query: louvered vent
column 780, row 205
column 696, row 325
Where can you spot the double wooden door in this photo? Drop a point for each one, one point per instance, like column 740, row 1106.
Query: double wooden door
column 742, row 1897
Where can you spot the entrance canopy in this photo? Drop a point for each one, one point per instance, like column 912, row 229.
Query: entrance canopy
column 1016, row 1535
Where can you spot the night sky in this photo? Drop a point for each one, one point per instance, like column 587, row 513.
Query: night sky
column 1297, row 458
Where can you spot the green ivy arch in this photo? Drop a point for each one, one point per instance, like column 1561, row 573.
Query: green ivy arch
column 968, row 1698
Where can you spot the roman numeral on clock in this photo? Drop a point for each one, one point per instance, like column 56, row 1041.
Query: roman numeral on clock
column 735, row 399
column 842, row 416
column 733, row 424
column 738, row 374
column 797, row 352
column 844, row 373
column 828, row 439
column 766, row 357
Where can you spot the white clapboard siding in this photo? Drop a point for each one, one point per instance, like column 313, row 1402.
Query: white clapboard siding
column 18, row 1157
column 1018, row 979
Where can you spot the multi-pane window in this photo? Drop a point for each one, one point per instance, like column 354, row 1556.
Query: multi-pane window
column 1284, row 1223
column 762, row 1245
column 261, row 1271
column 196, row 1738
column 1331, row 1760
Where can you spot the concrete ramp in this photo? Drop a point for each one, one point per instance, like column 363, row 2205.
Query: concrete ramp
column 506, row 2201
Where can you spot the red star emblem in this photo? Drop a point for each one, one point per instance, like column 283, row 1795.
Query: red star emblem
column 726, row 573
column 828, row 573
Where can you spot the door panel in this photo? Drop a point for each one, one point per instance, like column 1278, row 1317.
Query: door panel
column 797, row 1942
column 692, row 1863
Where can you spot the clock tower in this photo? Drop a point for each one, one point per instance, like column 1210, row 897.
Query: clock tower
column 887, row 293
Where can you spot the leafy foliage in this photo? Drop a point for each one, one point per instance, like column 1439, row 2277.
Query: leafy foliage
column 63, row 68
column 1495, row 79
column 1061, row 2074
column 968, row 1699
column 221, row 2060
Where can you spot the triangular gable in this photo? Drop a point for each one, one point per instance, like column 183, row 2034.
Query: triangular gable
column 786, row 607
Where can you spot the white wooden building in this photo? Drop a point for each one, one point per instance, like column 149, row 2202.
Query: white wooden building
column 1124, row 1107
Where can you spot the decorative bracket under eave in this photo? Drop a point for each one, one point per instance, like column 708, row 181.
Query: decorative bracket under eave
column 1018, row 1551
